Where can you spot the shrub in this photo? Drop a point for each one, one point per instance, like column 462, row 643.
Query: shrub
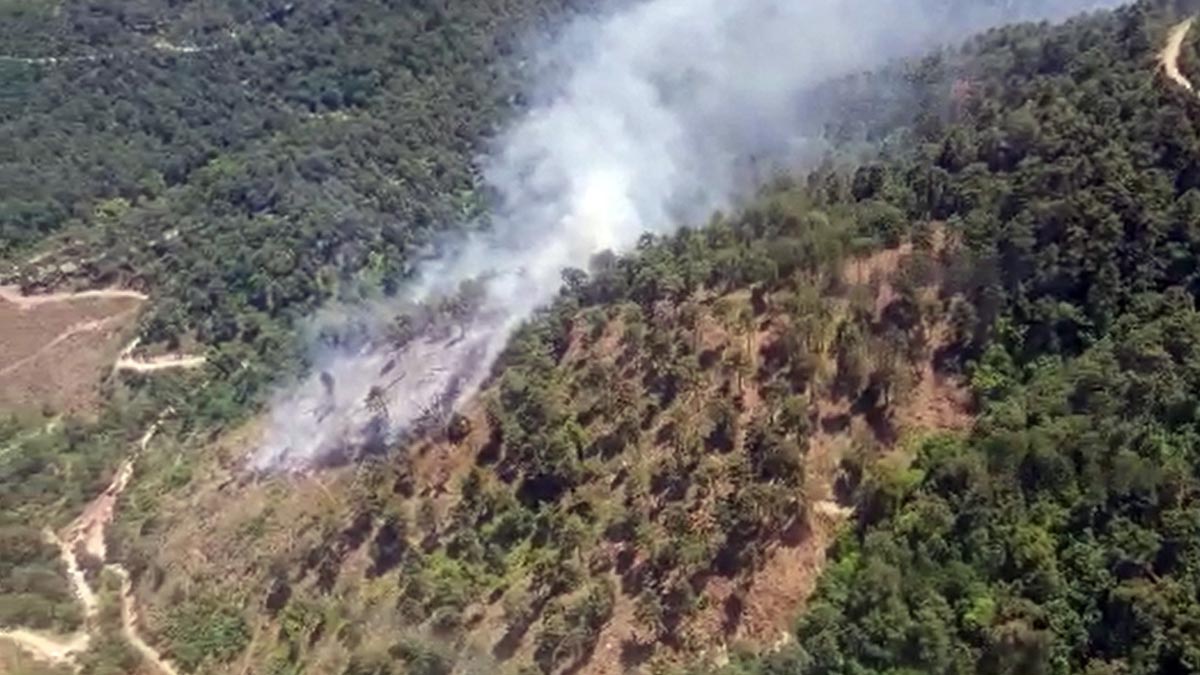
column 205, row 628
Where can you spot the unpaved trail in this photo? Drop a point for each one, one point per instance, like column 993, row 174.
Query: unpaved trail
column 128, row 362
column 12, row 294
column 88, row 529
column 86, row 533
column 79, row 585
column 167, row 362
column 129, row 623
column 1168, row 58
column 59, row 649
column 156, row 45
column 55, row 649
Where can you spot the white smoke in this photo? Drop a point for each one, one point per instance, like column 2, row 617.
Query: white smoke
column 643, row 117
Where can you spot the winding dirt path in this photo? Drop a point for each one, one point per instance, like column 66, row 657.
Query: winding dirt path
column 129, row 623
column 86, row 533
column 45, row 647
column 60, row 649
column 1168, row 58
column 12, row 294
column 128, row 362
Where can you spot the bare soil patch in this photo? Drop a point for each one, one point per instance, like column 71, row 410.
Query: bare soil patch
column 54, row 349
column 132, row 362
column 1168, row 58
column 760, row 609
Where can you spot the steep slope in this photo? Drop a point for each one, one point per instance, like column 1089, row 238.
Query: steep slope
column 660, row 459
column 651, row 476
column 684, row 428
column 1058, row 537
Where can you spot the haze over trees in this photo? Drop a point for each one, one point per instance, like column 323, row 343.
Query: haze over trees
column 662, row 428
column 246, row 162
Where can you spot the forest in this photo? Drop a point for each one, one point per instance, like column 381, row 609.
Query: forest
column 649, row 442
column 1058, row 537
column 246, row 162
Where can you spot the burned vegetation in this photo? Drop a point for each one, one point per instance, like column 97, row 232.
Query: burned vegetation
column 649, row 447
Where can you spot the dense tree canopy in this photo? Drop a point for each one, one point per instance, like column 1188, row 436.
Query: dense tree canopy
column 245, row 162
column 652, row 431
column 1059, row 536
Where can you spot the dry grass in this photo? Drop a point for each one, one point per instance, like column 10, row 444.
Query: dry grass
column 55, row 352
column 16, row 661
column 225, row 529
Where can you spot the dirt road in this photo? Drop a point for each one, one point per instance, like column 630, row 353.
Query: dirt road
column 87, row 533
column 166, row 362
column 128, row 362
column 129, row 623
column 13, row 295
column 45, row 647
column 60, row 649
column 1169, row 57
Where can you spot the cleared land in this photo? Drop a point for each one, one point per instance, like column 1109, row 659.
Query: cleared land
column 55, row 349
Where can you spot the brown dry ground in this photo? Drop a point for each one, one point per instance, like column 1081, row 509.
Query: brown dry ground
column 227, row 526
column 758, row 610
column 16, row 661
column 1169, row 57
column 55, row 353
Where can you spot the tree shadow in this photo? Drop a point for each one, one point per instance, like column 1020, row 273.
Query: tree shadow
column 732, row 611
column 635, row 653
column 510, row 642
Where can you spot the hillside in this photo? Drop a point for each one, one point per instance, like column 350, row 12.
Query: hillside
column 244, row 163
column 929, row 407
column 653, row 473
column 656, row 457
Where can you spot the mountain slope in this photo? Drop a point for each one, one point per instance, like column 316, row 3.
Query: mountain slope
column 243, row 164
column 655, row 468
column 656, row 442
column 1059, row 536
column 659, row 448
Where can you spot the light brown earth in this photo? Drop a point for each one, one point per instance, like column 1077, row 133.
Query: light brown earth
column 1168, row 58
column 46, row 647
column 772, row 597
column 131, row 362
column 55, row 349
column 15, row 660
column 87, row 535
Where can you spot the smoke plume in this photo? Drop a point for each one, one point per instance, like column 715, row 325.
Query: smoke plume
column 640, row 120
